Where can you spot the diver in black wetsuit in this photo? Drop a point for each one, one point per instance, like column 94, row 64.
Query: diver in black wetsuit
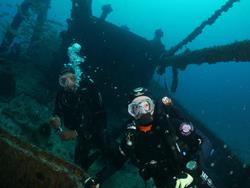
column 161, row 143
column 80, row 109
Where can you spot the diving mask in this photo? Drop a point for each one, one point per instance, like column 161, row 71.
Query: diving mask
column 67, row 80
column 141, row 106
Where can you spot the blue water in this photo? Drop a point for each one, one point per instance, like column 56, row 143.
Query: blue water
column 217, row 94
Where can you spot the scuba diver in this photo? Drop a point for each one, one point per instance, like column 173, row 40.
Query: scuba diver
column 161, row 143
column 80, row 109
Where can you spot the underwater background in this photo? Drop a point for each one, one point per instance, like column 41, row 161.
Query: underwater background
column 218, row 94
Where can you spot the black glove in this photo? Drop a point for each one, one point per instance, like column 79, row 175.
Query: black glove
column 91, row 183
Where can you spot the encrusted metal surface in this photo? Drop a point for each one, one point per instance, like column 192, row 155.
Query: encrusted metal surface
column 25, row 165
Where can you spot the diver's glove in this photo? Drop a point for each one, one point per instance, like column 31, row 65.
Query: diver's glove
column 184, row 180
column 91, row 183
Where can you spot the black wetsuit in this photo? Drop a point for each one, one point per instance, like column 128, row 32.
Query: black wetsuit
column 82, row 110
column 162, row 150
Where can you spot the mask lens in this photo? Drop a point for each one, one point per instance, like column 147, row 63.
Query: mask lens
column 62, row 81
column 137, row 109
column 67, row 78
column 133, row 109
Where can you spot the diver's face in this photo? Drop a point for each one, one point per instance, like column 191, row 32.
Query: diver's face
column 140, row 107
column 68, row 81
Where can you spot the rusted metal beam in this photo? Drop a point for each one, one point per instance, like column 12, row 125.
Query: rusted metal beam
column 10, row 34
column 236, row 52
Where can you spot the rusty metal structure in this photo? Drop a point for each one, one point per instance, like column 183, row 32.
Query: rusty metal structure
column 41, row 7
column 25, row 165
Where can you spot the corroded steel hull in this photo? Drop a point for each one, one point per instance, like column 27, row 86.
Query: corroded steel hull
column 25, row 165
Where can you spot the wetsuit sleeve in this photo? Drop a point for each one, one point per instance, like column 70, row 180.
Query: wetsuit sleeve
column 190, row 142
column 95, row 105
column 118, row 154
column 185, row 139
column 189, row 139
column 91, row 114
column 188, row 146
column 117, row 158
column 58, row 111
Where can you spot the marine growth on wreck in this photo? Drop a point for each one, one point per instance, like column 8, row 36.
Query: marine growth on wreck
column 196, row 52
